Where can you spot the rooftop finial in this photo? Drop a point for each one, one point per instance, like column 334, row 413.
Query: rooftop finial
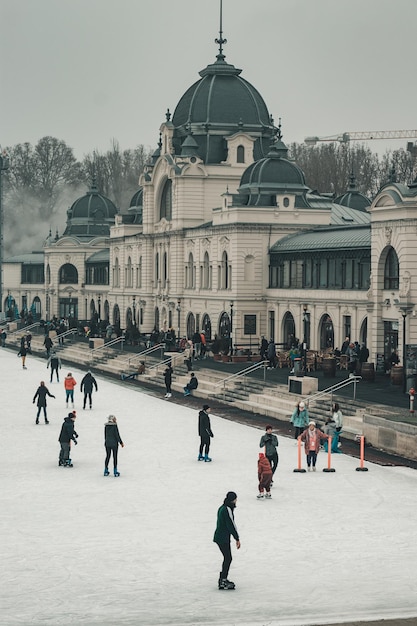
column 168, row 115
column 220, row 40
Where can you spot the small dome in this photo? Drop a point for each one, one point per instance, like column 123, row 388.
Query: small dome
column 220, row 104
column 137, row 198
column 353, row 198
column 135, row 211
column 91, row 215
column 273, row 175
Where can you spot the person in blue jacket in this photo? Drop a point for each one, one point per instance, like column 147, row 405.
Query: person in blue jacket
column 225, row 528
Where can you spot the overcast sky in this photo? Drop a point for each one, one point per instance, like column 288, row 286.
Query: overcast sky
column 87, row 71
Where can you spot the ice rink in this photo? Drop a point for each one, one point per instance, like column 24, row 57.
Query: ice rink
column 81, row 549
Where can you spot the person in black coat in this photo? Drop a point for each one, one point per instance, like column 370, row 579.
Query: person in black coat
column 192, row 384
column 41, row 394
column 111, row 441
column 87, row 384
column 66, row 436
column 22, row 353
column 168, row 380
column 205, row 433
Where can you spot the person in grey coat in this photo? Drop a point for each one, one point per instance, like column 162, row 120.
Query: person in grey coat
column 270, row 443
column 55, row 362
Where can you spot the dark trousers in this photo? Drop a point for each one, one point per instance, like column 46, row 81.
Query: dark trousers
column 39, row 412
column 64, row 452
column 227, row 558
column 298, row 431
column 204, row 442
column 311, row 458
column 273, row 461
column 108, row 455
column 87, row 395
column 54, row 369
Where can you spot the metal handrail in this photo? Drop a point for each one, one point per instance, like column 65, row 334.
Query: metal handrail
column 242, row 374
column 352, row 380
column 144, row 353
column 109, row 344
column 70, row 331
column 24, row 329
column 156, row 365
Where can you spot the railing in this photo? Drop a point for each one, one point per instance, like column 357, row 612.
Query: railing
column 242, row 374
column 353, row 380
column 157, row 365
column 140, row 356
column 67, row 333
column 104, row 348
column 24, row 329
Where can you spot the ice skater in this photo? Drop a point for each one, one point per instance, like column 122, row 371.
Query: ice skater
column 312, row 437
column 23, row 353
column 299, row 419
column 69, row 384
column 270, row 442
column 55, row 362
column 41, row 394
column 87, row 385
column 205, row 433
column 66, row 437
column 111, row 441
column 168, row 380
column 225, row 528
column 264, row 476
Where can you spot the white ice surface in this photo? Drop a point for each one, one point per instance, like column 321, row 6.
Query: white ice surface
column 81, row 549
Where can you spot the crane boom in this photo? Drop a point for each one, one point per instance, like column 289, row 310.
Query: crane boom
column 364, row 136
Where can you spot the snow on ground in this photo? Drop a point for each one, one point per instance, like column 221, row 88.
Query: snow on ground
column 81, row 549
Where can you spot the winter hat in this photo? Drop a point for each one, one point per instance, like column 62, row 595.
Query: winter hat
column 111, row 419
column 261, row 455
column 205, row 407
column 268, row 426
column 312, row 422
column 71, row 415
column 230, row 496
column 301, row 405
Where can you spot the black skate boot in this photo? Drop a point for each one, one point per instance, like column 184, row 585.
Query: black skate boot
column 225, row 584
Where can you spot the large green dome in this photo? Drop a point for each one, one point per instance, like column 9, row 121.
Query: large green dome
column 219, row 105
column 91, row 215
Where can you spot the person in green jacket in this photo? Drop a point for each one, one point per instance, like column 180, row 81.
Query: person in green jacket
column 225, row 528
column 299, row 419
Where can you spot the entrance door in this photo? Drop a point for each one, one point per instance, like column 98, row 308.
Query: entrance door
column 390, row 338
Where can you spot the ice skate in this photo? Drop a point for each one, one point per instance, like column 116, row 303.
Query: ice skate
column 200, row 457
column 116, row 473
column 207, row 459
column 260, row 496
column 106, row 471
column 267, row 496
column 226, row 584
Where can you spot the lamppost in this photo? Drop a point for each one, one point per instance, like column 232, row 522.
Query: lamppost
column 404, row 308
column 178, row 308
column 4, row 165
column 305, row 329
column 231, row 327
column 134, row 310
column 99, row 308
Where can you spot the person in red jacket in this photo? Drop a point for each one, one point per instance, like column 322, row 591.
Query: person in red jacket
column 69, row 384
column 264, row 476
column 312, row 437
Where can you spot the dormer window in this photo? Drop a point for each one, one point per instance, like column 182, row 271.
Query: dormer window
column 240, row 154
column 166, row 201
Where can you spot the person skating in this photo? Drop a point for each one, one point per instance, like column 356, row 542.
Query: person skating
column 312, row 437
column 168, row 380
column 205, row 433
column 41, row 394
column 87, row 384
column 299, row 419
column 192, row 384
column 225, row 528
column 48, row 343
column 22, row 353
column 69, row 384
column 66, row 437
column 55, row 362
column 111, row 441
column 270, row 442
column 264, row 476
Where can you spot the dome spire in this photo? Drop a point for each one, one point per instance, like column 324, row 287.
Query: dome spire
column 220, row 40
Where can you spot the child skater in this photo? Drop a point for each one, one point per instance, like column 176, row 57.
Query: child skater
column 264, row 476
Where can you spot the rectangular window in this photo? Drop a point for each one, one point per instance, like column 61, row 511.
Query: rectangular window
column 323, row 275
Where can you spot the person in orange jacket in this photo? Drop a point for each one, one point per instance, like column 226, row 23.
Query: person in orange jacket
column 69, row 384
column 264, row 476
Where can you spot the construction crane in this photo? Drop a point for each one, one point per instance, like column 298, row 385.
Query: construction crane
column 365, row 136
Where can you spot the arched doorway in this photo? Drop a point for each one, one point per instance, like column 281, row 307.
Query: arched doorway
column 206, row 326
column 224, row 325
column 326, row 332
column 190, row 325
column 116, row 318
column 129, row 318
column 363, row 334
column 107, row 311
column 156, row 318
column 289, row 338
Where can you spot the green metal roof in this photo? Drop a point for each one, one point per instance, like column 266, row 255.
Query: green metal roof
column 331, row 238
column 101, row 256
column 33, row 258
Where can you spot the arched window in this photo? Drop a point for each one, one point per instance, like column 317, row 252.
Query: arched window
column 165, row 210
column 289, row 330
column 206, row 272
column 206, row 326
column 240, row 154
column 190, row 325
column 249, row 268
column 116, row 318
column 190, row 273
column 157, row 274
column 224, row 325
column 139, row 274
column 391, row 270
column 157, row 318
column 116, row 273
column 68, row 274
column 164, row 269
column 326, row 332
column 225, row 272
column 129, row 273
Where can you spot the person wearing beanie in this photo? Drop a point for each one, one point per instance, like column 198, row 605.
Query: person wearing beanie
column 111, row 442
column 264, row 476
column 87, row 384
column 192, row 384
column 225, row 528
column 66, row 437
column 270, row 443
column 299, row 419
column 205, row 433
column 312, row 437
